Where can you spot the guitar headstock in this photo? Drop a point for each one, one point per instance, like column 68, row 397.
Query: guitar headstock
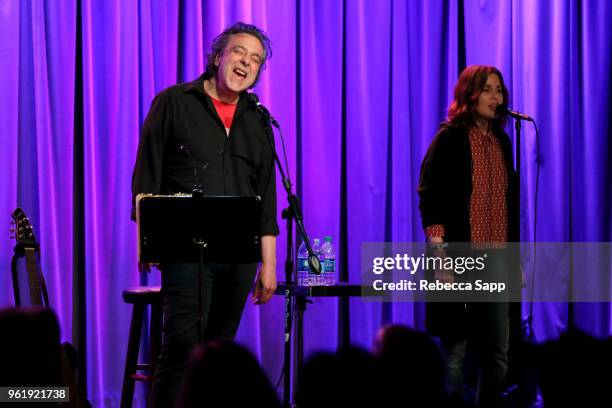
column 24, row 234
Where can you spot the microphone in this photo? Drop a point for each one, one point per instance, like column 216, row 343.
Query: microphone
column 519, row 115
column 265, row 113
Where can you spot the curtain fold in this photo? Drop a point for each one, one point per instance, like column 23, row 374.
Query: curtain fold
column 36, row 130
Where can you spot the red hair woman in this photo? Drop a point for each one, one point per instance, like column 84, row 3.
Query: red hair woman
column 468, row 193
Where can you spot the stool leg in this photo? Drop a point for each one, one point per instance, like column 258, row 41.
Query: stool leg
column 155, row 335
column 127, row 391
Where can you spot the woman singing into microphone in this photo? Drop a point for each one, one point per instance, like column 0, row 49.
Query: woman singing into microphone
column 468, row 193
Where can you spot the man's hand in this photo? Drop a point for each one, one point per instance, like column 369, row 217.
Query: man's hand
column 265, row 286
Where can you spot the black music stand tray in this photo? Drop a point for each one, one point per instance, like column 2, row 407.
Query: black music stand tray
column 187, row 228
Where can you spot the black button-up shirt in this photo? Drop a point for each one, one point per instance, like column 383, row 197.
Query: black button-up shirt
column 183, row 131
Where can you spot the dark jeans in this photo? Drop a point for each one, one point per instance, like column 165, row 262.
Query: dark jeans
column 485, row 326
column 489, row 334
column 225, row 288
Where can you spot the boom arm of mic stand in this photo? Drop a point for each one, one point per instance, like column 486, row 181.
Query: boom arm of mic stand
column 294, row 208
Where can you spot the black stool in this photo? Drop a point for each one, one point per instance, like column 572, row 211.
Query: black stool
column 140, row 297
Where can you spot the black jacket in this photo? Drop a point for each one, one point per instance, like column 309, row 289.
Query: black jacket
column 445, row 185
column 183, row 130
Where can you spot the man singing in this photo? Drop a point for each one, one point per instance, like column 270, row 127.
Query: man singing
column 209, row 124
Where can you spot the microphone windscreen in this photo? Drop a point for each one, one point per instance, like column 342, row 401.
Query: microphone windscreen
column 253, row 98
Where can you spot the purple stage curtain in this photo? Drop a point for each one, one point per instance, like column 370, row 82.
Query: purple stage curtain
column 556, row 59
column 359, row 88
column 37, row 60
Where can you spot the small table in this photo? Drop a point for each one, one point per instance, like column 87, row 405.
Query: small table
column 301, row 295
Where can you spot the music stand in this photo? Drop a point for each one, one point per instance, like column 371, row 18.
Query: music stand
column 195, row 228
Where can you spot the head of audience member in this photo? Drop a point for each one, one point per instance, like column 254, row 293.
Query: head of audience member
column 347, row 378
column 29, row 347
column 411, row 361
column 223, row 373
column 575, row 370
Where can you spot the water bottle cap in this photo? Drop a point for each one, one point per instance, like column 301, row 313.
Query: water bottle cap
column 328, row 238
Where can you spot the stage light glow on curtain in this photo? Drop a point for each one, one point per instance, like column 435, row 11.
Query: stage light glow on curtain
column 374, row 78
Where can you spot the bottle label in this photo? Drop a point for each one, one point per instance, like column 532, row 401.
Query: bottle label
column 314, row 280
column 303, row 265
column 329, row 265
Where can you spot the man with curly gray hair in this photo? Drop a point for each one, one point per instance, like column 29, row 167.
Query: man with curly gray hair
column 209, row 124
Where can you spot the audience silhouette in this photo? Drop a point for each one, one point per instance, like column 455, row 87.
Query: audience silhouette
column 406, row 368
column 222, row 373
column 29, row 348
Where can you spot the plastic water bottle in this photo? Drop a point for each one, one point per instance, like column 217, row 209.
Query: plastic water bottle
column 302, row 265
column 305, row 276
column 328, row 262
column 313, row 278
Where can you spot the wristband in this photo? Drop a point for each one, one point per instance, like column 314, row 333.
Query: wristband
column 438, row 245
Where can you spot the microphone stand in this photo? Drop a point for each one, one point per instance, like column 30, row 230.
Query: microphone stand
column 292, row 213
column 197, row 194
column 527, row 390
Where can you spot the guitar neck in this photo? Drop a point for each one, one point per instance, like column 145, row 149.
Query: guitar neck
column 34, row 277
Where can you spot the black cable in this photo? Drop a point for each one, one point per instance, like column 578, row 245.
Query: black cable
column 535, row 229
column 288, row 178
column 280, row 134
column 197, row 185
column 280, row 377
column 286, row 181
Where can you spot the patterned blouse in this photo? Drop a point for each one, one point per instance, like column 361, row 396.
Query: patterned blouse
column 488, row 207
